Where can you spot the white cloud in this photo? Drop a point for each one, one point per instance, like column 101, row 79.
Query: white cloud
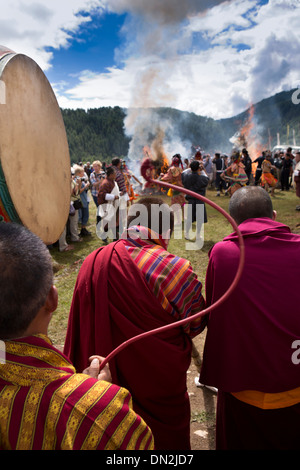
column 220, row 17
column 209, row 57
column 96, row 90
column 251, row 52
column 29, row 27
column 272, row 61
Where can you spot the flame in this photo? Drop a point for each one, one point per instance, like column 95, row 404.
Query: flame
column 246, row 131
column 165, row 164
column 157, row 154
column 248, row 138
column 159, row 159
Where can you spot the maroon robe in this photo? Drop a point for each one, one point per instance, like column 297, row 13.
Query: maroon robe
column 105, row 312
column 249, row 337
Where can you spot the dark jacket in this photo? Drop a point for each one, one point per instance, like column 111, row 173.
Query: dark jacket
column 196, row 183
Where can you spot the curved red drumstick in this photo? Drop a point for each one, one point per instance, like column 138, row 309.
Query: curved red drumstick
column 146, row 170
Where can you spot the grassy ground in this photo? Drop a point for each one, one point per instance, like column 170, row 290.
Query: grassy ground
column 67, row 264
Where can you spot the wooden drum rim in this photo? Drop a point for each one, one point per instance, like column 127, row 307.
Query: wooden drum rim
column 35, row 173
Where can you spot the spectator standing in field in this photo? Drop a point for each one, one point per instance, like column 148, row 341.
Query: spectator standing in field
column 96, row 176
column 297, row 176
column 196, row 181
column 220, row 168
column 123, row 195
column 286, row 170
column 247, row 162
column 108, row 209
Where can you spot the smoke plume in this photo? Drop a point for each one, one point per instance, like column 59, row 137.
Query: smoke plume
column 153, row 33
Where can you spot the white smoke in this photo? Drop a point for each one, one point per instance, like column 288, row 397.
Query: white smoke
column 148, row 129
column 153, row 33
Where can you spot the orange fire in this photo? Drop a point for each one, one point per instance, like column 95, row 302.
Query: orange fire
column 159, row 159
column 165, row 164
column 249, row 138
column 245, row 132
column 157, row 155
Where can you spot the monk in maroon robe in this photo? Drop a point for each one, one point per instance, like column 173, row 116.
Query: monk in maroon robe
column 127, row 288
column 250, row 353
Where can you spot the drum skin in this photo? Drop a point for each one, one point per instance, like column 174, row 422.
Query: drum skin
column 35, row 174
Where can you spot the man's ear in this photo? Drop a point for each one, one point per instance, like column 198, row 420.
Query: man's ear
column 274, row 215
column 41, row 321
column 52, row 300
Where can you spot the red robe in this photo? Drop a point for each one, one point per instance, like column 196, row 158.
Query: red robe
column 249, row 337
column 249, row 342
column 105, row 312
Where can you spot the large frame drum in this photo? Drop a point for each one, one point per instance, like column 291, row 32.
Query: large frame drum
column 35, row 169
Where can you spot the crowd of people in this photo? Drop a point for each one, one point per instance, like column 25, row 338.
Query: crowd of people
column 270, row 170
column 111, row 186
column 51, row 399
column 94, row 184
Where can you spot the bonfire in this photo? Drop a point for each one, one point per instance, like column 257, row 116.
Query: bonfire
column 248, row 138
column 160, row 163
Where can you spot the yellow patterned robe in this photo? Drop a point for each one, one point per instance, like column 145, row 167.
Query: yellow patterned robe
column 46, row 405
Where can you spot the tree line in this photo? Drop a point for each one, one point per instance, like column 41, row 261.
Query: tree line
column 95, row 134
column 99, row 134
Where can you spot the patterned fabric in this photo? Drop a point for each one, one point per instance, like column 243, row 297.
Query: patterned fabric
column 237, row 172
column 173, row 176
column 120, row 180
column 45, row 405
column 267, row 177
column 95, row 178
column 170, row 277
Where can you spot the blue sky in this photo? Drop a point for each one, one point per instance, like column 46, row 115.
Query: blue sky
column 210, row 57
column 92, row 47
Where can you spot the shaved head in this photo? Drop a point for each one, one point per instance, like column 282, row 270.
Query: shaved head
column 250, row 202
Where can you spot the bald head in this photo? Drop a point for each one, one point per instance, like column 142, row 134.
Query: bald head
column 250, row 202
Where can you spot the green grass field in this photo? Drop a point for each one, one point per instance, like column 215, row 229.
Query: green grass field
column 67, row 264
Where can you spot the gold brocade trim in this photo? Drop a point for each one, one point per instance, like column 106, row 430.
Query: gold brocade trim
column 7, row 396
column 83, row 406
column 63, row 406
column 135, row 436
column 103, row 421
column 56, row 406
column 24, row 374
column 28, row 422
column 50, row 356
column 36, row 379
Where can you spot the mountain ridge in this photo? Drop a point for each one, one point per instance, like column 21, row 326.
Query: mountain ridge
column 101, row 133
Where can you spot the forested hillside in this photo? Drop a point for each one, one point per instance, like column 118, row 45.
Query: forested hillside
column 101, row 134
column 95, row 134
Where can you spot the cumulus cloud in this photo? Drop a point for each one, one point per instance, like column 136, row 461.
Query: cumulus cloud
column 213, row 58
column 111, row 88
column 32, row 27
